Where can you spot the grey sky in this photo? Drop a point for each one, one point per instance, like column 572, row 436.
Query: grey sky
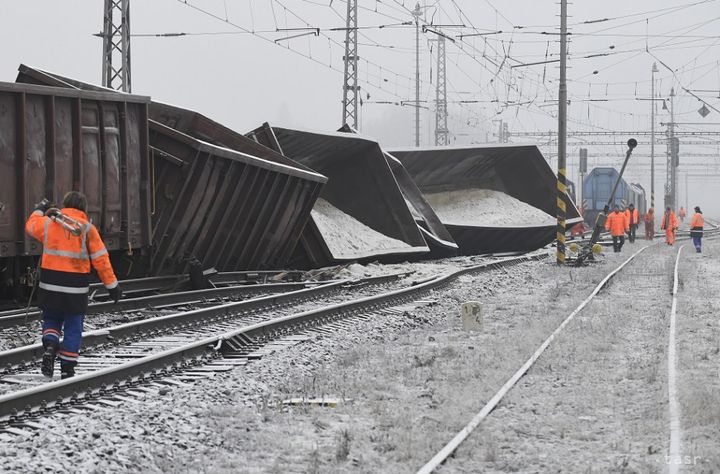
column 242, row 80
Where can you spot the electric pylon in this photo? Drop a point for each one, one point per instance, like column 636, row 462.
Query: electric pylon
column 116, row 45
column 350, row 82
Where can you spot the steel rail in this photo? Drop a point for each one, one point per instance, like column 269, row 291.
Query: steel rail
column 177, row 283
column 14, row 359
column 462, row 435
column 39, row 400
column 19, row 317
column 673, row 404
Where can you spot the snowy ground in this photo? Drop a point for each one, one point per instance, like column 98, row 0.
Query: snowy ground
column 699, row 357
column 406, row 383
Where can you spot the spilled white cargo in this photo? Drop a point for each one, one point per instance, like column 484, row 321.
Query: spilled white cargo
column 486, row 208
column 348, row 238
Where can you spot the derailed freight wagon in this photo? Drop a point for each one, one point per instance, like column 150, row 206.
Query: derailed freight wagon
column 361, row 213
column 227, row 209
column 218, row 197
column 437, row 237
column 53, row 140
column 492, row 198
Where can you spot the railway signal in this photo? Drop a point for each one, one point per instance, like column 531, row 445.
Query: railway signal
column 587, row 251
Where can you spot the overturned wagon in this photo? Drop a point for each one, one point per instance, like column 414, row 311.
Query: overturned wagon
column 218, row 197
column 53, row 140
column 492, row 198
column 361, row 213
column 227, row 209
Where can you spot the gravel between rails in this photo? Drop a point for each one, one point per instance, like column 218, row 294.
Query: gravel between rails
column 596, row 401
column 698, row 348
column 404, row 382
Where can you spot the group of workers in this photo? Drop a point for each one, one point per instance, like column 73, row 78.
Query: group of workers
column 620, row 223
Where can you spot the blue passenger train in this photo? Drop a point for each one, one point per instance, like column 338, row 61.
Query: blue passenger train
column 597, row 187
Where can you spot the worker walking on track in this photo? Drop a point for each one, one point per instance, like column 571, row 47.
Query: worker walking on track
column 650, row 224
column 633, row 217
column 617, row 224
column 682, row 214
column 669, row 225
column 68, row 252
column 696, row 229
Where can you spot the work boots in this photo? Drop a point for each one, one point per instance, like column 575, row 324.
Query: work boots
column 48, row 361
column 67, row 369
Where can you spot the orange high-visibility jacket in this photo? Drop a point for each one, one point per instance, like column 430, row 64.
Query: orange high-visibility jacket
column 650, row 216
column 670, row 222
column 617, row 223
column 632, row 217
column 698, row 222
column 66, row 259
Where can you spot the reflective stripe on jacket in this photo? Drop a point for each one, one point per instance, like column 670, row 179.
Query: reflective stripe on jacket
column 66, row 260
column 617, row 223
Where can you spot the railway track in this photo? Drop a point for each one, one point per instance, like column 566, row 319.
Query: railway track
column 17, row 359
column 206, row 340
column 674, row 430
column 164, row 301
column 172, row 290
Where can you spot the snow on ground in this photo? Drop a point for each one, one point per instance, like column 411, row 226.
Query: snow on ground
column 347, row 237
column 698, row 349
column 485, row 208
column 406, row 383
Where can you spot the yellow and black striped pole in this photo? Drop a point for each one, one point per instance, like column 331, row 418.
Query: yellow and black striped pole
column 561, row 215
column 562, row 135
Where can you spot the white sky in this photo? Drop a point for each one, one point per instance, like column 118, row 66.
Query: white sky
column 243, row 80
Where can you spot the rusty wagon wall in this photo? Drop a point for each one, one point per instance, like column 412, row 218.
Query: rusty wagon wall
column 230, row 210
column 53, row 140
column 217, row 195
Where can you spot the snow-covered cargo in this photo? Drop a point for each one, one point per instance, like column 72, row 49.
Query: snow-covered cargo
column 502, row 181
column 360, row 185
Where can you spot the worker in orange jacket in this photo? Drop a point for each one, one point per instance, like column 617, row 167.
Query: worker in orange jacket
column 633, row 217
column 696, row 229
column 617, row 224
column 669, row 225
column 65, row 278
column 650, row 224
column 682, row 214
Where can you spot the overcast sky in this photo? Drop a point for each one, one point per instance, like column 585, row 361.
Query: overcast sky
column 244, row 79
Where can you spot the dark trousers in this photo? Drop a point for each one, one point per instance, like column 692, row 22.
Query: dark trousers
column 631, row 232
column 697, row 241
column 55, row 323
column 618, row 242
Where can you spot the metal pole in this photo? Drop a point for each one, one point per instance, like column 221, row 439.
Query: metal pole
column 562, row 136
column 416, row 14
column 116, row 45
column 441, row 127
column 652, row 139
column 670, row 199
column 350, row 82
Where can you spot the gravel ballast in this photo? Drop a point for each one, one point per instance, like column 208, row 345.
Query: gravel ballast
column 405, row 382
